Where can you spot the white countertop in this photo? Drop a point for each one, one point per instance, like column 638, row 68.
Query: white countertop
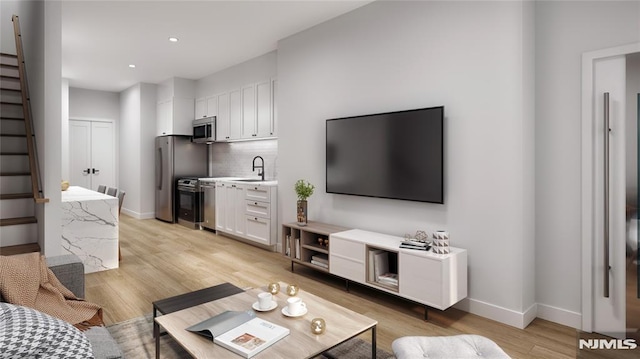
column 239, row 180
column 76, row 193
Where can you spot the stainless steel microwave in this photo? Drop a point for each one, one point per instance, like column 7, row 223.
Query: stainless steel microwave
column 204, row 130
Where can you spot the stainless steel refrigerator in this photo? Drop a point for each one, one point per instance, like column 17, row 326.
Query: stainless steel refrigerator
column 176, row 157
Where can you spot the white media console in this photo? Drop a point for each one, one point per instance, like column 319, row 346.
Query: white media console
column 435, row 280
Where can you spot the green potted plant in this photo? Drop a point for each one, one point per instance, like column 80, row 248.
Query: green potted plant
column 304, row 190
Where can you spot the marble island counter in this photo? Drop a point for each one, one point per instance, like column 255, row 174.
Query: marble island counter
column 90, row 228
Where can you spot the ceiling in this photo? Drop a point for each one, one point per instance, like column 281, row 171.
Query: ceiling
column 100, row 39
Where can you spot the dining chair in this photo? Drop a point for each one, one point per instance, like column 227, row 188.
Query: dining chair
column 120, row 200
column 102, row 188
column 112, row 191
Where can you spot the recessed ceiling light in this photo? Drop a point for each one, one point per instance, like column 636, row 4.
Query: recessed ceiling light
column 173, row 39
column 132, row 66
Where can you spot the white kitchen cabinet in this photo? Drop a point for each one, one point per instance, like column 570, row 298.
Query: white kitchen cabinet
column 230, row 206
column 229, row 116
column 242, row 114
column 200, row 110
column 258, row 229
column 206, row 107
column 174, row 117
column 222, row 121
column 247, row 211
column 221, row 205
column 249, row 112
column 274, row 107
column 235, row 115
column 264, row 114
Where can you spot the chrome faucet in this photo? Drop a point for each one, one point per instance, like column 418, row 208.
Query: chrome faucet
column 261, row 167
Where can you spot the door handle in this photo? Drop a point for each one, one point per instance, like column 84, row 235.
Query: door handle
column 607, row 130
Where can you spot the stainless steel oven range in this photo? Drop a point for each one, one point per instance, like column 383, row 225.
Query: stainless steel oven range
column 190, row 202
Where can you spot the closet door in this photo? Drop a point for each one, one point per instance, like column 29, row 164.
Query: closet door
column 102, row 155
column 92, row 154
column 80, row 153
column 610, row 197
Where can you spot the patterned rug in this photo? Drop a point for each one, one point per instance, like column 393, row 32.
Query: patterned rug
column 135, row 338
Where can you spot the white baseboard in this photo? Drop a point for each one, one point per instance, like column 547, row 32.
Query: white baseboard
column 517, row 319
column 138, row 215
column 560, row 316
column 493, row 312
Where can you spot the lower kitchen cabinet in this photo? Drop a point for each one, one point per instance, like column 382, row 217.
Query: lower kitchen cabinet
column 247, row 211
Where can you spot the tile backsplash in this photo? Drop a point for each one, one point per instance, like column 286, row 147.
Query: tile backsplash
column 234, row 159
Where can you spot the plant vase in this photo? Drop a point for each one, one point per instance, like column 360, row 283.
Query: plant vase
column 302, row 213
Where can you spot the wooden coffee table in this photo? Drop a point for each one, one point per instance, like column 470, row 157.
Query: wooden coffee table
column 342, row 324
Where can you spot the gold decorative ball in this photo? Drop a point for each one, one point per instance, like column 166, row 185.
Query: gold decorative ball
column 318, row 326
column 274, row 288
column 292, row 290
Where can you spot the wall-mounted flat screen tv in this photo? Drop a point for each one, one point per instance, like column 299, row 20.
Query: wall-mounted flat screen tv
column 396, row 155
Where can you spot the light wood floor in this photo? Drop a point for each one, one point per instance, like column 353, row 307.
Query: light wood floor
column 161, row 260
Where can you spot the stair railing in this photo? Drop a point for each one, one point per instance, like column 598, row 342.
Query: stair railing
column 36, row 181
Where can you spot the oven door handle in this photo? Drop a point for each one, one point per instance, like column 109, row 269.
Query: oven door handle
column 190, row 190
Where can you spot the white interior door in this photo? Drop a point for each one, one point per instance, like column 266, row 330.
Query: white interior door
column 92, row 154
column 80, row 153
column 102, row 155
column 609, row 224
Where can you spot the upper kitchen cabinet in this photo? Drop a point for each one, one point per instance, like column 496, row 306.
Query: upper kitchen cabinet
column 229, row 118
column 247, row 113
column 175, row 116
column 206, row 107
column 175, row 107
column 258, row 116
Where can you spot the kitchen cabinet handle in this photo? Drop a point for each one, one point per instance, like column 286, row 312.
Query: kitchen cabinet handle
column 87, row 171
column 607, row 131
column 93, row 170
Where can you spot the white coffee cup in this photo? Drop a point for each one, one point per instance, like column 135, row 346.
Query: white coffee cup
column 295, row 305
column 264, row 300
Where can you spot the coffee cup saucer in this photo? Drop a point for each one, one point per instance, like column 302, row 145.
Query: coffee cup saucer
column 285, row 311
column 256, row 306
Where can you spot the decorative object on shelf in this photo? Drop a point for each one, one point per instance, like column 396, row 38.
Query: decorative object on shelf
column 441, row 242
column 273, row 288
column 318, row 326
column 64, row 185
column 323, row 242
column 420, row 236
column 304, row 190
column 292, row 289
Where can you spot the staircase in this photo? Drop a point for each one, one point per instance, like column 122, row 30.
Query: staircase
column 20, row 185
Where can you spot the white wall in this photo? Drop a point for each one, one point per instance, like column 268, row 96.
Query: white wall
column 564, row 31
column 259, row 69
column 136, row 161
column 146, row 167
column 387, row 56
column 129, row 139
column 93, row 105
column 64, row 129
column 48, row 124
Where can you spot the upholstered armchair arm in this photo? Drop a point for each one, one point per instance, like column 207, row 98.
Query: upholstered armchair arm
column 69, row 270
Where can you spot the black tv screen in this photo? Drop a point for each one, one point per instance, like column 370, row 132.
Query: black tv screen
column 396, row 155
